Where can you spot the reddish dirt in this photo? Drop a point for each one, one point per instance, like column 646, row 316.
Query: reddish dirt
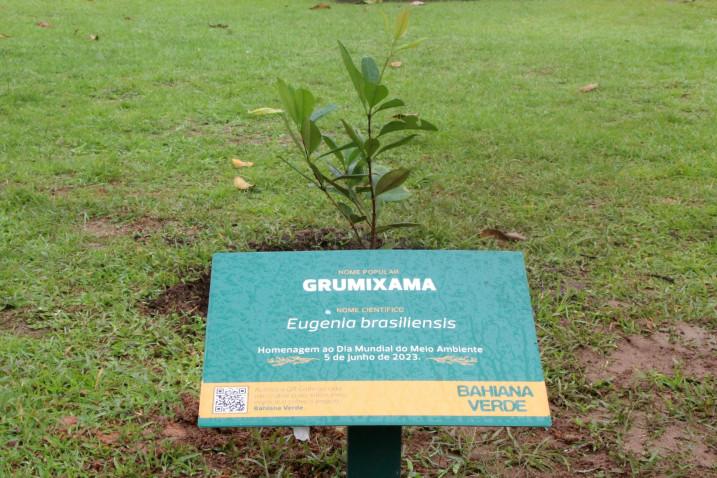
column 104, row 227
column 645, row 438
column 689, row 348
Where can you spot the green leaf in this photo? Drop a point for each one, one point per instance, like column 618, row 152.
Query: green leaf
column 354, row 135
column 335, row 150
column 394, row 103
column 321, row 112
column 391, row 180
column 375, row 94
column 355, row 218
column 345, row 209
column 396, row 144
column 405, row 122
column 304, row 101
column 357, row 167
column 401, row 24
column 410, row 45
column 369, row 70
column 286, row 93
column 354, row 74
column 388, row 227
column 310, row 135
column 371, row 146
column 355, row 159
column 349, row 213
column 426, row 126
column 320, row 177
column 386, row 26
column 298, row 103
column 397, row 194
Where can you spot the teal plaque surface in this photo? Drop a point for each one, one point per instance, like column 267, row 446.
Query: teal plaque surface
column 371, row 337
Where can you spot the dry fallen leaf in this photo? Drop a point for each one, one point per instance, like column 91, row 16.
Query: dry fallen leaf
column 589, row 87
column 3, row 36
column 265, row 111
column 240, row 183
column 320, row 6
column 44, row 25
column 94, row 37
column 395, row 64
column 238, row 163
column 68, row 421
column 109, row 438
column 502, row 236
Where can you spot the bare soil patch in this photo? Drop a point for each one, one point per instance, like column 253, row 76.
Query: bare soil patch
column 17, row 322
column 323, row 239
column 645, row 438
column 186, row 298
column 689, row 348
column 104, row 227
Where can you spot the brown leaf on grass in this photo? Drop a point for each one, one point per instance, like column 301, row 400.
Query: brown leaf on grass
column 108, row 438
column 240, row 183
column 3, row 36
column 320, row 6
column 218, row 25
column 68, row 421
column 503, row 236
column 44, row 25
column 395, row 64
column 94, row 37
column 589, row 87
column 238, row 163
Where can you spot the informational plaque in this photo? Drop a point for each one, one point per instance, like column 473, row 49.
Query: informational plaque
column 371, row 337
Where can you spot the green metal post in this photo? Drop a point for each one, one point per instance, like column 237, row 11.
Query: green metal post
column 374, row 452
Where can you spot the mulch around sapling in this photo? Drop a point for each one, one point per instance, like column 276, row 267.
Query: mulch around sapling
column 323, row 239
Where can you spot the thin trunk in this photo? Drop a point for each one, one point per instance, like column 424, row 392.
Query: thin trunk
column 369, row 160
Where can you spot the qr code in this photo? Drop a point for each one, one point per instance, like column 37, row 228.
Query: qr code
column 231, row 399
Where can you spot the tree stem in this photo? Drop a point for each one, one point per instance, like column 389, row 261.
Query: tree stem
column 369, row 160
column 353, row 226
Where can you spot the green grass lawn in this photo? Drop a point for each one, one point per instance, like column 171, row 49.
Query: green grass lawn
column 115, row 183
